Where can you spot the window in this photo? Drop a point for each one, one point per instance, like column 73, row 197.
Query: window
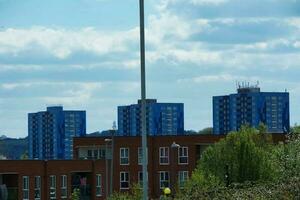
column 164, row 180
column 124, row 180
column 101, row 153
column 183, row 155
column 37, row 187
column 164, row 155
column 63, row 190
column 140, row 179
column 90, row 154
column 25, row 188
column 182, row 178
column 96, row 154
column 52, row 187
column 98, row 185
column 124, row 156
column 140, row 155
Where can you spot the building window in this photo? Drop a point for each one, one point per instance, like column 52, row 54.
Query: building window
column 64, row 193
column 37, row 187
column 124, row 180
column 164, row 179
column 98, row 185
column 101, row 153
column 96, row 154
column 140, row 155
column 52, row 187
column 90, row 154
column 164, row 155
column 124, row 156
column 182, row 178
column 183, row 155
column 140, row 179
column 25, row 187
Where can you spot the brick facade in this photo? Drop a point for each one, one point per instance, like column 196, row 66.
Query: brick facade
column 12, row 172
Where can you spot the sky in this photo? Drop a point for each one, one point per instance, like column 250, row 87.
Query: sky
column 84, row 54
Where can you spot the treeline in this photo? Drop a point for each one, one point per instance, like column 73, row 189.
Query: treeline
column 13, row 149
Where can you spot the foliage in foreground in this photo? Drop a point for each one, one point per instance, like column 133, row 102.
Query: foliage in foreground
column 255, row 168
column 241, row 156
column 284, row 190
column 134, row 194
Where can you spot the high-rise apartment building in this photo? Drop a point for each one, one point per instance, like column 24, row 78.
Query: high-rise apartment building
column 162, row 119
column 51, row 132
column 250, row 106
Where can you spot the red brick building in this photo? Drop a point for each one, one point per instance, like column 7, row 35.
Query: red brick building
column 169, row 165
column 55, row 179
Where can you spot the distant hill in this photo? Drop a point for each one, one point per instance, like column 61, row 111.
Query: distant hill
column 99, row 134
column 2, row 137
column 13, row 148
column 205, row 131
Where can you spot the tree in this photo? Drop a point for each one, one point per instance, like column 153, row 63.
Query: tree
column 24, row 156
column 75, row 194
column 134, row 194
column 206, row 131
column 288, row 155
column 241, row 156
column 246, row 165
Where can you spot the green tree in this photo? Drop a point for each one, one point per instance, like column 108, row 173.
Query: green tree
column 238, row 158
column 24, row 156
column 242, row 156
column 75, row 194
column 134, row 194
column 288, row 155
column 206, row 131
column 256, row 168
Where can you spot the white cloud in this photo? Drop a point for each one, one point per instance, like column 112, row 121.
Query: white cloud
column 163, row 4
column 83, row 86
column 208, row 2
column 18, row 67
column 167, row 27
column 219, row 78
column 61, row 42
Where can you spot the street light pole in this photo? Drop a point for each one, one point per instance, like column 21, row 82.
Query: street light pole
column 112, row 157
column 107, row 140
column 143, row 101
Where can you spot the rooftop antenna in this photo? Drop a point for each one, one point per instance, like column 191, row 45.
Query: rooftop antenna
column 114, row 126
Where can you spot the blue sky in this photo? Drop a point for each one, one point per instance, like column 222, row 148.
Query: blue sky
column 84, row 54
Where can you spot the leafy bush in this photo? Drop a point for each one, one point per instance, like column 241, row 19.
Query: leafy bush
column 134, row 194
column 289, row 189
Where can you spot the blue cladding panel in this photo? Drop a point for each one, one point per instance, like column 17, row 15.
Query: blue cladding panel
column 162, row 119
column 232, row 111
column 51, row 132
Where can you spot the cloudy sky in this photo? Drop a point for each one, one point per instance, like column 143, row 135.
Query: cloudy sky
column 84, row 54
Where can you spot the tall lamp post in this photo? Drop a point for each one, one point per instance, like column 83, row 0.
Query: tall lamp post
column 107, row 140
column 114, row 128
column 143, row 100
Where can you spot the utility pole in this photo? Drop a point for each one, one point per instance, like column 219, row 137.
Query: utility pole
column 143, row 101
